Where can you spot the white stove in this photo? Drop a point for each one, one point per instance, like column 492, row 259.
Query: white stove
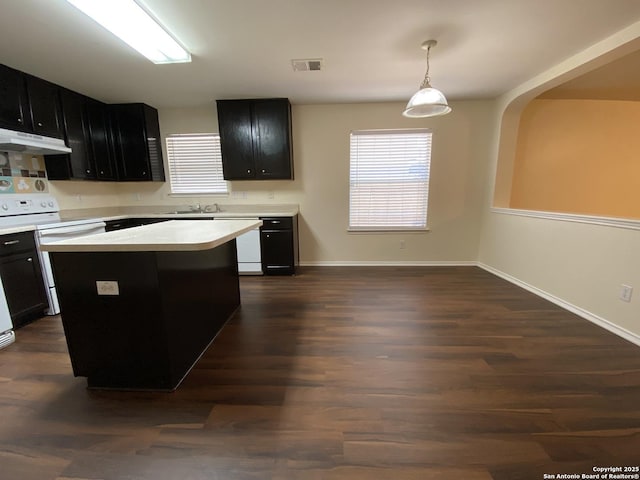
column 19, row 209
column 43, row 212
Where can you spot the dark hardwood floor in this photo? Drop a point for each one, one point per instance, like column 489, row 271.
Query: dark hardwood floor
column 343, row 373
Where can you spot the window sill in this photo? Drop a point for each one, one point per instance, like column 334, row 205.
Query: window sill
column 199, row 194
column 386, row 231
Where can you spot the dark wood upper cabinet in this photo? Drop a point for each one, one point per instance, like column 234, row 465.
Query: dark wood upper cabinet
column 255, row 139
column 14, row 102
column 86, row 127
column 79, row 163
column 45, row 107
column 108, row 142
column 136, row 135
column 100, row 139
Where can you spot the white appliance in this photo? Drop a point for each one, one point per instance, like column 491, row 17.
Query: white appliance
column 54, row 233
column 7, row 337
column 23, row 142
column 42, row 211
column 248, row 250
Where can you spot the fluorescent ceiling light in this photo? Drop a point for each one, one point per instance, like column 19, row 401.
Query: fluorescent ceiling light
column 132, row 24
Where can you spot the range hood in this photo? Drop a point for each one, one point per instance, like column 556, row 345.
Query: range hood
column 12, row 141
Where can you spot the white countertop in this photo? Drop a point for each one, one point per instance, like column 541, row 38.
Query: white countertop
column 228, row 211
column 170, row 236
column 118, row 213
column 19, row 229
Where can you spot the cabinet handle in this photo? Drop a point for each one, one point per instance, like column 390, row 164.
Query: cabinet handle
column 39, row 124
column 12, row 242
column 263, row 170
column 268, row 236
column 101, row 172
column 29, row 259
column 248, row 171
column 88, row 171
column 275, row 222
column 19, row 120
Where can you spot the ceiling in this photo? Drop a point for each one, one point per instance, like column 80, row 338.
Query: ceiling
column 370, row 48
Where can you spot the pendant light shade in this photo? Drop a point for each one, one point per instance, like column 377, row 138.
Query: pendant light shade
column 428, row 101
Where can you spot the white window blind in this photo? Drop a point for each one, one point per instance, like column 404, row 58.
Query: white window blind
column 389, row 179
column 195, row 163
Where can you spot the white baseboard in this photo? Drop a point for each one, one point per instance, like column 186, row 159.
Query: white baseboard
column 390, row 264
column 593, row 318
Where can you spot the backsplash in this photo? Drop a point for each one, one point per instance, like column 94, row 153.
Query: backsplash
column 22, row 173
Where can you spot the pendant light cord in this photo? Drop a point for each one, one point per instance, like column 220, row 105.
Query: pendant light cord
column 426, row 83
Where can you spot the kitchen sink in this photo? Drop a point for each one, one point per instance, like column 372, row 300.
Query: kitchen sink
column 196, row 211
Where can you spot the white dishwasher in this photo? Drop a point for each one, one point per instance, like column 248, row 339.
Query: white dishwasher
column 54, row 233
column 248, row 247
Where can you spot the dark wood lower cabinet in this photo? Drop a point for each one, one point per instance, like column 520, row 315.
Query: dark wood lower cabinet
column 123, row 223
column 169, row 306
column 279, row 245
column 22, row 278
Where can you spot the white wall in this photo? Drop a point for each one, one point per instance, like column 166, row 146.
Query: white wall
column 457, row 173
column 578, row 265
column 321, row 186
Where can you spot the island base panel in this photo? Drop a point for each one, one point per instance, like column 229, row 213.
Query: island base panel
column 168, row 308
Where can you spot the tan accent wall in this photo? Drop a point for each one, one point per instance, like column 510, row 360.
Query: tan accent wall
column 578, row 156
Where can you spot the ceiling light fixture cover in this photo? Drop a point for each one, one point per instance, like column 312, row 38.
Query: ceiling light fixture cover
column 127, row 20
column 428, row 101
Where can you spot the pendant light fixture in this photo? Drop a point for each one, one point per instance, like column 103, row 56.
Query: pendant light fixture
column 428, row 101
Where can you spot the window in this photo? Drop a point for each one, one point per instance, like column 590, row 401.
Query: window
column 389, row 179
column 195, row 163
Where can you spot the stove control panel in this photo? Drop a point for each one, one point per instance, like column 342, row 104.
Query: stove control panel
column 19, row 204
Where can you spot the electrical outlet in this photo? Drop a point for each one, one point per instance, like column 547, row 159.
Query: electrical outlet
column 106, row 287
column 402, row 245
column 625, row 293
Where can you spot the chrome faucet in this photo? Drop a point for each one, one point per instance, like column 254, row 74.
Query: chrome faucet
column 212, row 208
column 195, row 208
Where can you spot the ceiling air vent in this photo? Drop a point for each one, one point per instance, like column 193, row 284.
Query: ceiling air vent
column 307, row 65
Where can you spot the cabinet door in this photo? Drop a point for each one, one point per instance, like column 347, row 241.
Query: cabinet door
column 154, row 143
column 276, row 248
column 80, row 163
column 137, row 142
column 272, row 131
column 130, row 142
column 236, row 139
column 44, row 104
column 100, row 139
column 76, row 134
column 14, row 104
column 23, row 286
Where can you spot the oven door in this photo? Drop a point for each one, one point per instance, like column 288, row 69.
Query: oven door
column 50, row 234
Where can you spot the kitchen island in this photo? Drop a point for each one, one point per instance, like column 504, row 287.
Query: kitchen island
column 140, row 306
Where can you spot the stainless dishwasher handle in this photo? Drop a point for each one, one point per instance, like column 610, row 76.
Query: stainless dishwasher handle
column 11, row 242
